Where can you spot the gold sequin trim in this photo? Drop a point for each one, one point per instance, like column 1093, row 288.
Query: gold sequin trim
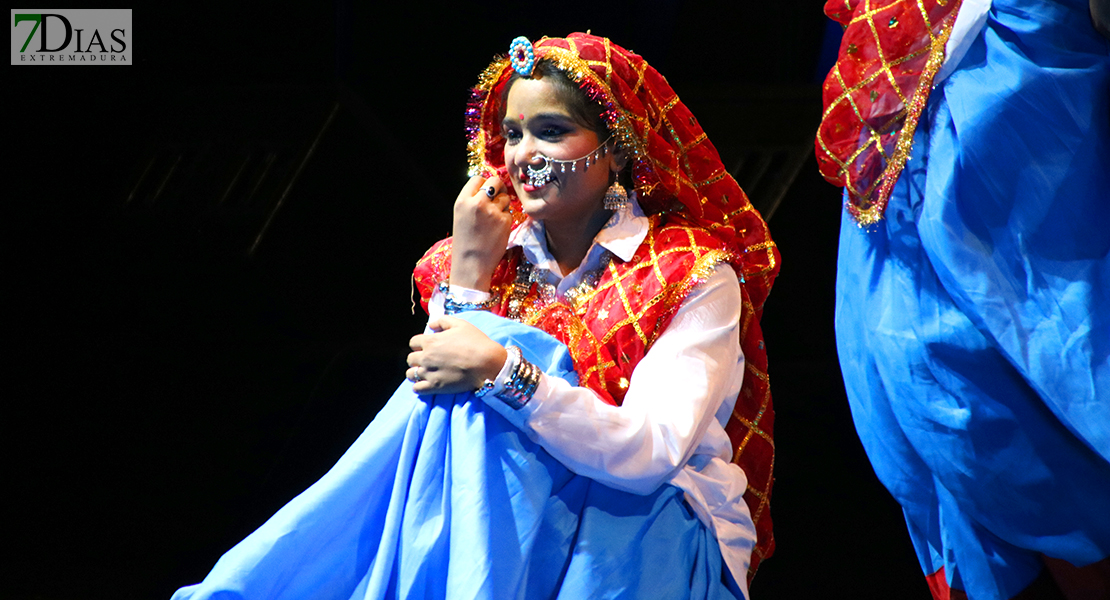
column 869, row 215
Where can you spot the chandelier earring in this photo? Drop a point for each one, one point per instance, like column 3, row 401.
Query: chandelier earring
column 616, row 197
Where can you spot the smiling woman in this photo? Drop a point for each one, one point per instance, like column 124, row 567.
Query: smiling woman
column 567, row 201
column 587, row 414
column 544, row 130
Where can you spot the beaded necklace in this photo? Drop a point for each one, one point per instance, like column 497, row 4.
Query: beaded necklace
column 530, row 290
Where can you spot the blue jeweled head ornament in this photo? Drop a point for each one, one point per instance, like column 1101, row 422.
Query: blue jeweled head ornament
column 522, row 56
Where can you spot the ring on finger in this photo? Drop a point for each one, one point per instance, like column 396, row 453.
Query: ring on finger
column 413, row 375
column 491, row 191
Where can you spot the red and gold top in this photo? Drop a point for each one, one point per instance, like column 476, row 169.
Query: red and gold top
column 699, row 219
column 608, row 329
column 874, row 94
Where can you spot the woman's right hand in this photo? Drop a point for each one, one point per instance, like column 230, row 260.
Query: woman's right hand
column 480, row 232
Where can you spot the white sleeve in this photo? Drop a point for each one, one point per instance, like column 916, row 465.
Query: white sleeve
column 685, row 384
column 461, row 294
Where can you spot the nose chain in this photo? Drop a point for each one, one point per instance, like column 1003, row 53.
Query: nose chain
column 542, row 175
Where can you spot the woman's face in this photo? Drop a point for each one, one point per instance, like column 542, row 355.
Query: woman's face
column 536, row 122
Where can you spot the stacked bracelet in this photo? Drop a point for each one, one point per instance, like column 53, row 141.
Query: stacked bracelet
column 484, row 389
column 522, row 383
column 452, row 306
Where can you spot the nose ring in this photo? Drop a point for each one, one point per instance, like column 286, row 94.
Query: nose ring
column 539, row 177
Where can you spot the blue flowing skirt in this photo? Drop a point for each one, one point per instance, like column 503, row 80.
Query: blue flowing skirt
column 973, row 322
column 441, row 497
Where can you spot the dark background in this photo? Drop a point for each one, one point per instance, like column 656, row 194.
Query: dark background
column 209, row 261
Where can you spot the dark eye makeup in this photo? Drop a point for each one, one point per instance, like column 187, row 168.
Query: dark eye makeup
column 541, row 129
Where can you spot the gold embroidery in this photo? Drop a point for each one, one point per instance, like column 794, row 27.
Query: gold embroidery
column 712, row 180
column 870, row 214
column 869, row 13
column 882, row 58
column 868, row 198
column 764, row 500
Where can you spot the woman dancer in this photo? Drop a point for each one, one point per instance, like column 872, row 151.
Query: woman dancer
column 973, row 314
column 589, row 413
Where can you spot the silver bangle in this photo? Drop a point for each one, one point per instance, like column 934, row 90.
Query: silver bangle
column 452, row 306
column 522, row 384
column 512, row 359
column 484, row 389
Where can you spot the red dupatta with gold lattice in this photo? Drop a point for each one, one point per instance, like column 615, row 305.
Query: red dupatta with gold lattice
column 874, row 94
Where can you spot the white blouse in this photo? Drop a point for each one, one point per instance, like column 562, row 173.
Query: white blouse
column 969, row 22
column 670, row 427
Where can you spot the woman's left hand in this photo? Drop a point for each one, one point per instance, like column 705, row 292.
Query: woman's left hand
column 456, row 357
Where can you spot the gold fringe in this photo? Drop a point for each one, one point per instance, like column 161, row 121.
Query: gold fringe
column 874, row 211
